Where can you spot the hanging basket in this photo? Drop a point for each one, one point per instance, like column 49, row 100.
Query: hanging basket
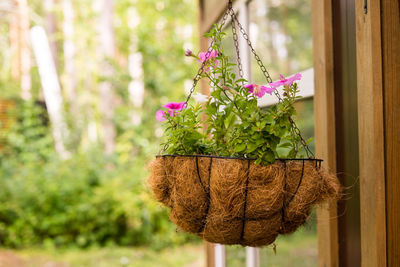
column 235, row 201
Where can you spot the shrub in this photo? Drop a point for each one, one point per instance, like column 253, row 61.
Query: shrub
column 86, row 200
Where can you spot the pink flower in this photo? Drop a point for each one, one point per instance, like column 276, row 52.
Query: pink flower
column 288, row 81
column 160, row 115
column 204, row 57
column 174, row 107
column 259, row 90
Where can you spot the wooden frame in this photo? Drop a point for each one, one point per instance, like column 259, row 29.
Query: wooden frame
column 371, row 134
column 325, row 138
column 390, row 32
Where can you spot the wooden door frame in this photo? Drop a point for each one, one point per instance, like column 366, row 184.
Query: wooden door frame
column 390, row 44
column 325, row 134
column 371, row 133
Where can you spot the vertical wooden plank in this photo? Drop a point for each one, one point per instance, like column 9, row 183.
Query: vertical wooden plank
column 346, row 111
column 371, row 134
column 324, row 109
column 390, row 11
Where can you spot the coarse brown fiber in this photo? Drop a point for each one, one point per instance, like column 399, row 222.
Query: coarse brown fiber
column 235, row 201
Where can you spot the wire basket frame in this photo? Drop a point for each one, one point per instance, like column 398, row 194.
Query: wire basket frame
column 297, row 183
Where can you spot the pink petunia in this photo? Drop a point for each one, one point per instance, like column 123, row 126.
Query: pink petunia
column 160, row 115
column 283, row 81
column 204, row 57
column 259, row 90
column 174, row 107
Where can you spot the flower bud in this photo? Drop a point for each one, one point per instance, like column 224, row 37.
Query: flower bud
column 188, row 53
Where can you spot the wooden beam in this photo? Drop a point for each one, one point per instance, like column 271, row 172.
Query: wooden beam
column 371, row 134
column 391, row 86
column 325, row 139
column 211, row 15
column 208, row 19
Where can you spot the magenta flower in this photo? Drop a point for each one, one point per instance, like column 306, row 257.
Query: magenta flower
column 259, row 90
column 203, row 57
column 289, row 81
column 173, row 108
column 160, row 115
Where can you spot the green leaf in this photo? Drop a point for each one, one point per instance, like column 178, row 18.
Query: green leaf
column 240, row 147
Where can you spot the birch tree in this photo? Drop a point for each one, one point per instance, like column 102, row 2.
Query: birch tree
column 51, row 87
column 69, row 80
column 51, row 28
column 107, row 49
column 135, row 67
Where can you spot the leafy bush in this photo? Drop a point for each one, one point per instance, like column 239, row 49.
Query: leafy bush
column 86, row 200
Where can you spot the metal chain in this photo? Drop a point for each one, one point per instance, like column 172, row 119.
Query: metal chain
column 236, row 43
column 266, row 74
column 197, row 77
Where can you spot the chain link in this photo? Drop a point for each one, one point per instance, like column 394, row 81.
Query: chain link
column 236, row 43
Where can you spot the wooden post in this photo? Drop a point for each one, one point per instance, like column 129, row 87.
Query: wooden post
column 325, row 138
column 371, row 134
column 390, row 27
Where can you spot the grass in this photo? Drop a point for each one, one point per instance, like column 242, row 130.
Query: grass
column 188, row 255
column 298, row 249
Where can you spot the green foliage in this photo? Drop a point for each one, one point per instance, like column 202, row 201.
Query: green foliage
column 86, row 200
column 236, row 126
column 183, row 135
column 93, row 199
column 28, row 138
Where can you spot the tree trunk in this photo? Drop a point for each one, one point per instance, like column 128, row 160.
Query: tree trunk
column 51, row 87
column 51, row 28
column 136, row 86
column 69, row 56
column 19, row 41
column 107, row 47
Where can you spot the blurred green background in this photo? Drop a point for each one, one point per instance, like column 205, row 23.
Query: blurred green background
column 87, row 204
